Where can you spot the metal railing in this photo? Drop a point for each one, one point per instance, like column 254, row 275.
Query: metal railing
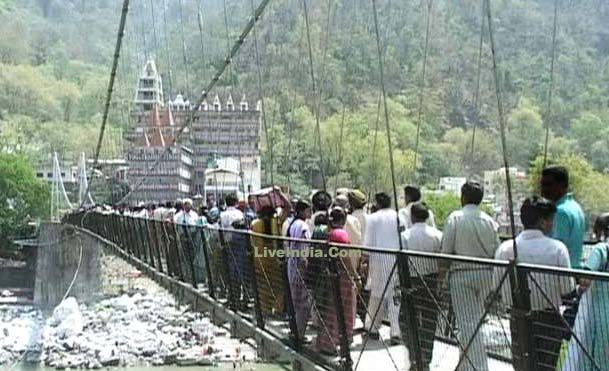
column 344, row 301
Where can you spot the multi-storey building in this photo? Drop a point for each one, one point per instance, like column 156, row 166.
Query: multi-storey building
column 171, row 176
column 225, row 126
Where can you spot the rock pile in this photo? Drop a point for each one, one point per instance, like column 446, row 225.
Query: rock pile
column 143, row 326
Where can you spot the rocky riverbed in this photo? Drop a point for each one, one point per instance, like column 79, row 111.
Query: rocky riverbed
column 135, row 322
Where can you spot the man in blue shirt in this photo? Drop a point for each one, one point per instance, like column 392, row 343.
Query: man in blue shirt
column 569, row 220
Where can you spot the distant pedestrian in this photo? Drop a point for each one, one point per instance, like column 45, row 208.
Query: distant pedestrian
column 321, row 202
column 232, row 214
column 412, row 194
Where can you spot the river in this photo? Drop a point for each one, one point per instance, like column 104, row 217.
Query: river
column 247, row 367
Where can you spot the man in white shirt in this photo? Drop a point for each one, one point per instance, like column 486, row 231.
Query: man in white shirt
column 184, row 221
column 411, row 195
column 382, row 232
column 187, row 215
column 537, row 216
column 231, row 214
column 424, row 277
column 141, row 211
column 160, row 213
column 470, row 232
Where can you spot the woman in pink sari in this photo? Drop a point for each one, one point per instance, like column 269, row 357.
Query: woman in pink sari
column 329, row 331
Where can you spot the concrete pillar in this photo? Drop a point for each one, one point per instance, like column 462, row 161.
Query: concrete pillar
column 59, row 255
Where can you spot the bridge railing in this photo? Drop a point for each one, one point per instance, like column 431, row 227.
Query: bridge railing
column 354, row 307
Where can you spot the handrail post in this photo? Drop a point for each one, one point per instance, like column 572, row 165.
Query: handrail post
column 154, row 233
column 146, row 241
column 345, row 353
column 290, row 306
column 152, row 247
column 408, row 315
column 134, row 237
column 523, row 356
column 176, row 247
column 232, row 295
column 206, row 256
column 127, row 236
column 189, row 253
column 171, row 268
column 252, row 259
column 139, row 237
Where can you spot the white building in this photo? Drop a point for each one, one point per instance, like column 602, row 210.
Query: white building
column 451, row 184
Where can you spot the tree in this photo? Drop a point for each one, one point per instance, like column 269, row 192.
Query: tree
column 24, row 197
column 587, row 129
column 524, row 133
column 442, row 205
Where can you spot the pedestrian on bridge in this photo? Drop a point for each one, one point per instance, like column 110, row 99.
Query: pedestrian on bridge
column 470, row 232
column 592, row 321
column 382, row 232
column 412, row 194
column 424, row 277
column 329, row 331
column 547, row 323
column 297, row 266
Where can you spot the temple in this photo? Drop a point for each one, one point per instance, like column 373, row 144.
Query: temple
column 223, row 129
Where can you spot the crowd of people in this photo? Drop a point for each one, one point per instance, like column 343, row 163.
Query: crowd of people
column 553, row 235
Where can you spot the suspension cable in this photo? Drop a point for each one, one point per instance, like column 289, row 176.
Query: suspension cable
column 210, row 85
column 167, row 53
column 391, row 164
column 315, row 95
column 231, row 80
column 269, row 143
column 184, row 54
column 143, row 32
column 477, row 93
column 340, row 150
column 422, row 86
column 225, row 13
column 502, row 125
column 372, row 185
column 203, row 53
column 155, row 39
column 115, row 63
column 386, row 112
column 551, row 87
column 297, row 71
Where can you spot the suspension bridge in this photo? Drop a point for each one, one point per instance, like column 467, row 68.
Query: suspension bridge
column 250, row 291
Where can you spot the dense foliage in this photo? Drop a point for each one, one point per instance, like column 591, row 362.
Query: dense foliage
column 55, row 57
column 24, row 198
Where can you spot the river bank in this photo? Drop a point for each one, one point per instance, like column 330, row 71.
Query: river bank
column 134, row 322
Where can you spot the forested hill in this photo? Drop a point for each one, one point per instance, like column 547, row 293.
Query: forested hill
column 55, row 57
